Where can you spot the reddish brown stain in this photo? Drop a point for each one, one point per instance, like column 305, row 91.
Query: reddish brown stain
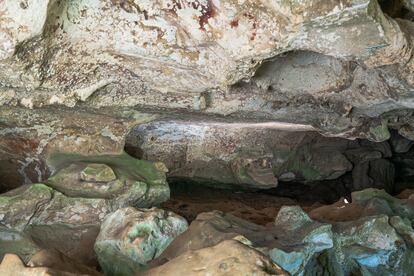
column 253, row 37
column 234, row 23
column 208, row 11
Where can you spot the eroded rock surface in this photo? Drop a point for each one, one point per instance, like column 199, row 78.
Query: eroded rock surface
column 229, row 257
column 130, row 238
column 64, row 215
column 373, row 234
column 240, row 94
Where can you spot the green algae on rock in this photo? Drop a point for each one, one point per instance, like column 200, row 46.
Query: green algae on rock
column 138, row 183
column 19, row 206
column 130, row 238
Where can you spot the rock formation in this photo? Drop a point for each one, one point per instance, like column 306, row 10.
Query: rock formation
column 106, row 106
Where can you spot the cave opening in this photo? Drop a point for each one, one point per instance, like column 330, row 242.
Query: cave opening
column 310, row 170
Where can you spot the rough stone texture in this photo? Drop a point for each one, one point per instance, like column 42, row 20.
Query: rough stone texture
column 229, row 257
column 56, row 260
column 12, row 265
column 15, row 242
column 303, row 240
column 136, row 183
column 29, row 137
column 76, row 76
column 291, row 242
column 256, row 155
column 130, row 238
column 19, row 206
column 67, row 214
column 70, row 225
column 342, row 68
column 371, row 235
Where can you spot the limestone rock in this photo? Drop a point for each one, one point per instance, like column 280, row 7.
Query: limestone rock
column 30, row 137
column 97, row 173
column 54, row 220
column 373, row 234
column 344, row 68
column 291, row 242
column 302, row 241
column 77, row 180
column 12, row 265
column 130, row 238
column 19, row 206
column 209, row 229
column 15, row 242
column 133, row 182
column 249, row 155
column 229, row 257
column 69, row 225
column 56, row 260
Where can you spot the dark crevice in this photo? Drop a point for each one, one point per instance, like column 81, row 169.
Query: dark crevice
column 395, row 8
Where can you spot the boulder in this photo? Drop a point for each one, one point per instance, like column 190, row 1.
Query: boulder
column 373, row 234
column 122, row 180
column 81, row 180
column 229, row 257
column 69, row 225
column 291, row 242
column 12, row 265
column 15, row 242
column 19, row 206
column 300, row 240
column 130, row 238
column 54, row 259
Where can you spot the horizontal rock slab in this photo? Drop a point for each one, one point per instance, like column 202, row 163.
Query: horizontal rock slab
column 258, row 155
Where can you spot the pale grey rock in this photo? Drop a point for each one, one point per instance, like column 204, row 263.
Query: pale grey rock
column 335, row 66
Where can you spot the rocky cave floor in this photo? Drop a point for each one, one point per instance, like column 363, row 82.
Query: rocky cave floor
column 119, row 215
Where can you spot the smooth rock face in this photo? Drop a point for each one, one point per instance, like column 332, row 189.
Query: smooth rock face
column 229, row 257
column 130, row 238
